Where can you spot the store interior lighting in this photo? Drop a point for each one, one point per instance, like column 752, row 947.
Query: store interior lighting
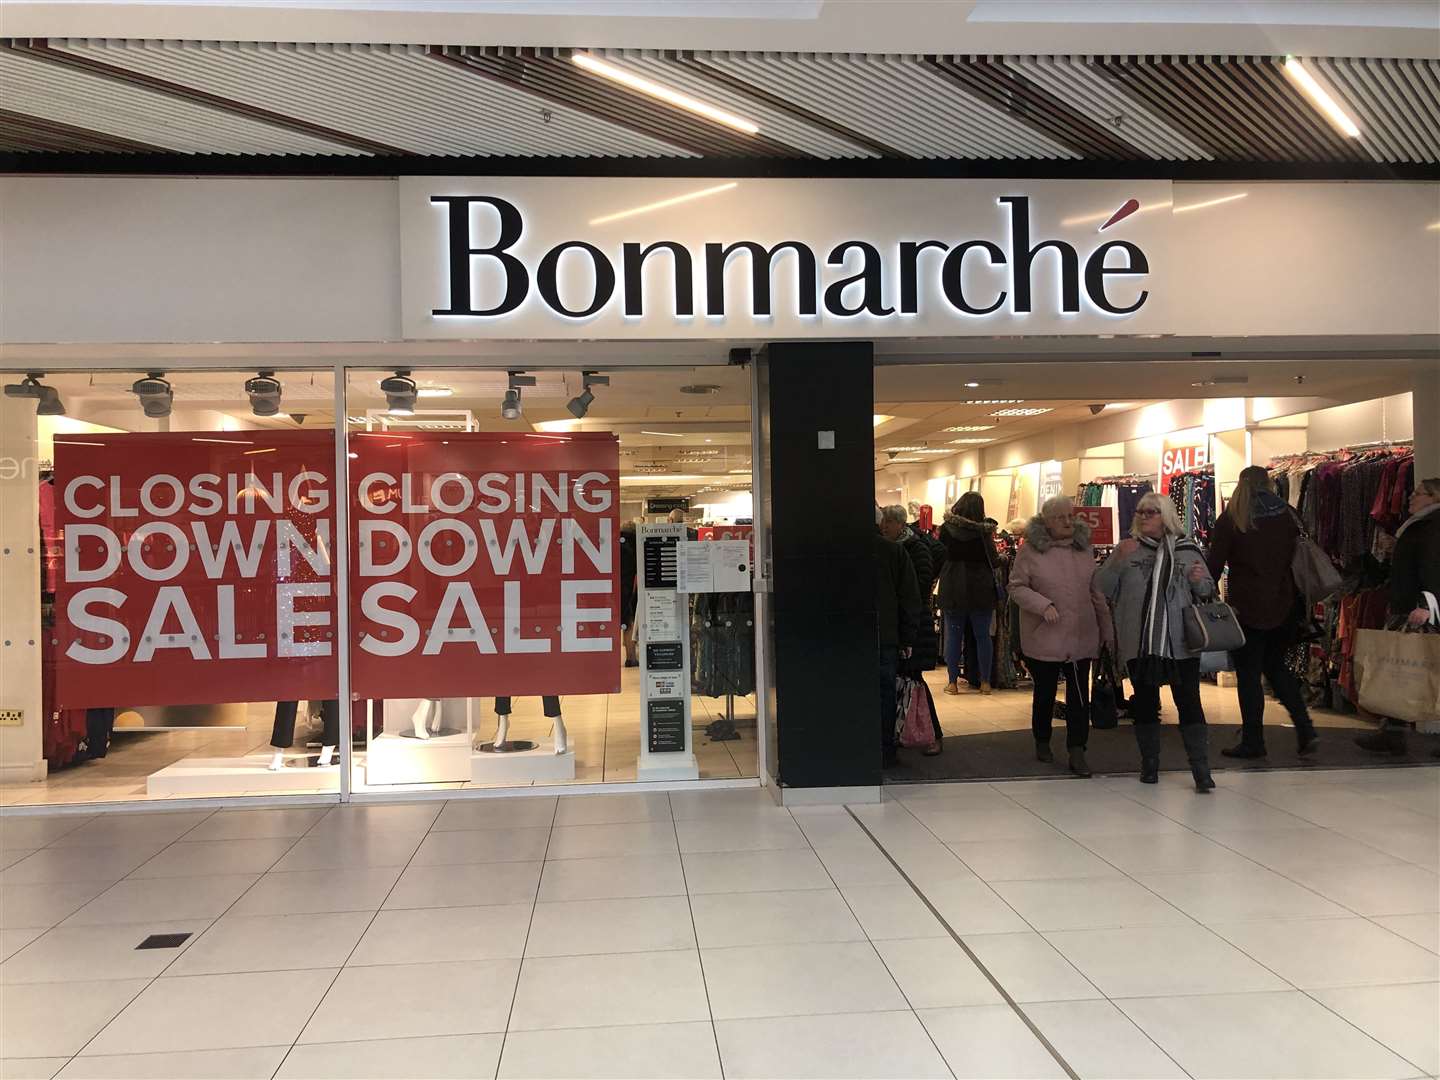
column 47, row 398
column 264, row 393
column 1300, row 75
column 580, row 404
column 510, row 408
column 400, row 393
column 155, row 394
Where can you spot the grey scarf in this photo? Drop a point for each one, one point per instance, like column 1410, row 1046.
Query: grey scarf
column 1155, row 629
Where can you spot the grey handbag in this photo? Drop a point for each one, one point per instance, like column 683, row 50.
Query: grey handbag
column 1212, row 627
column 1315, row 575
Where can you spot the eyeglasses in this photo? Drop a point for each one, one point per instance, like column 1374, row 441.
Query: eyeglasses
column 1149, row 511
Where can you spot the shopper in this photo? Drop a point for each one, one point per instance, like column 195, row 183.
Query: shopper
column 967, row 587
column 927, row 641
column 1414, row 588
column 1150, row 579
column 897, row 606
column 1063, row 620
column 1256, row 538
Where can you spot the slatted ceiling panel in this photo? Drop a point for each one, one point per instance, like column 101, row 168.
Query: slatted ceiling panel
column 559, row 79
column 1087, row 88
column 1276, row 107
column 1369, row 90
column 52, row 91
column 396, row 95
column 774, row 122
column 893, row 100
column 30, row 134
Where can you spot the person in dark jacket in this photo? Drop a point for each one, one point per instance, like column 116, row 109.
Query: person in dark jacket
column 927, row 641
column 1414, row 587
column 1256, row 537
column 897, row 607
column 967, row 587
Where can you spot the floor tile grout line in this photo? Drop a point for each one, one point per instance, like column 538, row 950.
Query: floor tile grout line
column 300, row 1031
column 1375, row 1039
column 875, row 948
column 695, row 929
column 525, row 945
column 1005, row 994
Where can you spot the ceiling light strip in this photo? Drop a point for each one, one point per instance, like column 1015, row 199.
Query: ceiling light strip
column 664, row 93
column 1320, row 97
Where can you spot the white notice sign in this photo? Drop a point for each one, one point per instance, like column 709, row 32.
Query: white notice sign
column 662, row 616
column 732, row 565
column 696, row 566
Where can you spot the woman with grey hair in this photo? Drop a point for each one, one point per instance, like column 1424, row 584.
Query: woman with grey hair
column 1063, row 621
column 1150, row 579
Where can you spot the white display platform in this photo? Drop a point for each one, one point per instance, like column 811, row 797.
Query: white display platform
column 542, row 763
column 400, row 759
column 666, row 767
column 238, row 776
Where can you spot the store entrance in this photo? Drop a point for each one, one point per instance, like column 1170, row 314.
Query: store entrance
column 969, row 455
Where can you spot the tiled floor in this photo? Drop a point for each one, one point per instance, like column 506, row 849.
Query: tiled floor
column 1285, row 926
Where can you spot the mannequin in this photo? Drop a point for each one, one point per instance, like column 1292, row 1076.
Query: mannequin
column 282, row 735
column 552, row 713
column 425, row 717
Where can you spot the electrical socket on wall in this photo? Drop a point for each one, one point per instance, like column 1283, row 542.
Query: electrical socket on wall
column 12, row 717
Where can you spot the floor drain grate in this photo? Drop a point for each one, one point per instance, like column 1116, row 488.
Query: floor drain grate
column 163, row 941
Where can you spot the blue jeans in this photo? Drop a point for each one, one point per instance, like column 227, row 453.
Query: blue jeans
column 979, row 623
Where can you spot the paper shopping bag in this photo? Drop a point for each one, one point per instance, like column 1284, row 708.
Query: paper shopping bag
column 1398, row 675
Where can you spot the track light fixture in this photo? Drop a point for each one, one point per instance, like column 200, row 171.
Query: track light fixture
column 264, row 391
column 400, row 393
column 580, row 404
column 47, row 398
column 156, row 396
column 510, row 408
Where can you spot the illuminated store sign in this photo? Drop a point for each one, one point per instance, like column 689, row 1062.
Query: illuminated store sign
column 612, row 258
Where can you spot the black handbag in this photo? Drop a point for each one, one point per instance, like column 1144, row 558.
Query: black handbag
column 1212, row 627
column 1104, row 700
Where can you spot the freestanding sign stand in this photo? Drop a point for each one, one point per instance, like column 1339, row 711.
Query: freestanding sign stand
column 667, row 751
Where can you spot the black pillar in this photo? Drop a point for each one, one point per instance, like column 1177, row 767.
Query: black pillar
column 821, row 506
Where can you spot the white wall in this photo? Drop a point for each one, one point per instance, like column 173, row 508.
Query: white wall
column 123, row 259
column 1365, row 421
column 189, row 260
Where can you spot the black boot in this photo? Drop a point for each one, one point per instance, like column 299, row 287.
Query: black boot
column 1197, row 748
column 1043, row 752
column 1388, row 740
column 1147, row 737
column 1078, row 765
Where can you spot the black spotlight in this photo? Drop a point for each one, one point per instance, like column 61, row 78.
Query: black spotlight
column 400, row 393
column 264, row 391
column 47, row 398
column 155, row 395
column 580, row 404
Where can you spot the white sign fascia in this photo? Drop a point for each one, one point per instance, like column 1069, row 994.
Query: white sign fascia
column 624, row 258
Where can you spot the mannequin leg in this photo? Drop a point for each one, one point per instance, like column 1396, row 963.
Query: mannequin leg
column 552, row 711
column 282, row 734
column 419, row 718
column 502, row 720
column 330, row 733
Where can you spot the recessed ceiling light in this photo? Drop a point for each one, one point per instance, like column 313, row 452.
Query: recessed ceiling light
column 664, row 93
column 975, row 440
column 880, row 419
column 970, row 427
column 1031, row 411
column 436, row 391
column 902, row 449
column 994, row 401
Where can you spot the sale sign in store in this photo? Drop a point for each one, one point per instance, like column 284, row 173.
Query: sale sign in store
column 485, row 563
column 197, row 568
column 1175, row 460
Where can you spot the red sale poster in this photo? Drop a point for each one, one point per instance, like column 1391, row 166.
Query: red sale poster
column 484, row 563
column 196, row 570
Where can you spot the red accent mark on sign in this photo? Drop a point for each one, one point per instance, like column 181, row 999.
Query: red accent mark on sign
column 1126, row 209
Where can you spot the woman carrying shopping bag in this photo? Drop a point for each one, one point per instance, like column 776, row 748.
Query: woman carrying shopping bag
column 1151, row 580
column 1414, row 589
column 1063, row 621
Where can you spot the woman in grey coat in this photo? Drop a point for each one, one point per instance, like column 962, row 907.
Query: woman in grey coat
column 1150, row 579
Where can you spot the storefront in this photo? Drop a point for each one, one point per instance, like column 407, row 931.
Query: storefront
column 348, row 447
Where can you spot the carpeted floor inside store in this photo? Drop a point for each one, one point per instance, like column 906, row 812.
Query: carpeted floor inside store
column 988, row 737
